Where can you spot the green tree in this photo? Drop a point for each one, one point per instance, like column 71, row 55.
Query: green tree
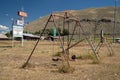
column 9, row 34
column 37, row 32
column 59, row 30
column 65, row 32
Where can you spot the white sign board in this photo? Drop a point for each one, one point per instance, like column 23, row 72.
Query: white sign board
column 17, row 31
column 20, row 22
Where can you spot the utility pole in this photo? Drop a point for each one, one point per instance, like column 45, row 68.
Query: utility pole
column 12, row 32
column 115, row 17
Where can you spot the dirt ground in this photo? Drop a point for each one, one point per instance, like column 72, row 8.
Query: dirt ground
column 41, row 66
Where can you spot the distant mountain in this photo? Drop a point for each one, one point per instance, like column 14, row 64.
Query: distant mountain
column 92, row 19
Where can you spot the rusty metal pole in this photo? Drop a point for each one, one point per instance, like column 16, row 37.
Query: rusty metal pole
column 63, row 28
column 68, row 39
column 73, row 33
column 25, row 64
column 89, row 42
column 115, row 21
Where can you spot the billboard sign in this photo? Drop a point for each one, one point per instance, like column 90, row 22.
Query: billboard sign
column 22, row 14
column 17, row 31
column 20, row 22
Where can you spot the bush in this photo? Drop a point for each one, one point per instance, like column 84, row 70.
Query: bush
column 65, row 32
column 89, row 56
column 37, row 32
column 57, row 54
column 66, row 69
column 95, row 61
column 9, row 34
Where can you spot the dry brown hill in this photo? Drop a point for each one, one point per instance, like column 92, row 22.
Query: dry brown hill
column 101, row 18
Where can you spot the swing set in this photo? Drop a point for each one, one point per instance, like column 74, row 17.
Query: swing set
column 66, row 20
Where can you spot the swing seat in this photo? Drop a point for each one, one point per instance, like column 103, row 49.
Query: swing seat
column 55, row 59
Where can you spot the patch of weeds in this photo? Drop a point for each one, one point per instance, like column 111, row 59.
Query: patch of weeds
column 89, row 56
column 29, row 65
column 83, row 57
column 111, row 54
column 58, row 54
column 66, row 69
column 95, row 61
column 47, row 51
column 42, row 51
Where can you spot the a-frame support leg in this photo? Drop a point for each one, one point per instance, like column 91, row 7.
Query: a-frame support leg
column 27, row 61
column 90, row 43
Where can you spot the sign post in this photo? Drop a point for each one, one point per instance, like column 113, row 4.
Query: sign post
column 12, row 32
column 21, row 22
column 18, row 32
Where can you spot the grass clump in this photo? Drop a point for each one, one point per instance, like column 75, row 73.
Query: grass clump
column 89, row 56
column 111, row 54
column 83, row 57
column 95, row 61
column 58, row 54
column 66, row 69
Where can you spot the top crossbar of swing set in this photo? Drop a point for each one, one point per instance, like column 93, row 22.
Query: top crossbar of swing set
column 65, row 17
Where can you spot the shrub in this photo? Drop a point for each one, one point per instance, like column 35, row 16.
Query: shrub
column 57, row 54
column 89, row 56
column 65, row 32
column 66, row 69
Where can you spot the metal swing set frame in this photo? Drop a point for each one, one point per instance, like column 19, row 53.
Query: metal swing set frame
column 66, row 17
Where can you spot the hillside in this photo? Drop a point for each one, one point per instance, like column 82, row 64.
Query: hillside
column 101, row 18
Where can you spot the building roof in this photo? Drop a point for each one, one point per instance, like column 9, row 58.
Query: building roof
column 30, row 35
column 3, row 36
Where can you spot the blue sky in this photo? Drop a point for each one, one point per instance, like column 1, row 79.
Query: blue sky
column 39, row 8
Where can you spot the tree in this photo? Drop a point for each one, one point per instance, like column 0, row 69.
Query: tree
column 9, row 34
column 59, row 30
column 65, row 32
column 37, row 32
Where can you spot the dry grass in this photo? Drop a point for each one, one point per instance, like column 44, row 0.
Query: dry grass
column 41, row 66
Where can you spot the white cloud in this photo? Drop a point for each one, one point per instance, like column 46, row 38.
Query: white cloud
column 3, row 27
